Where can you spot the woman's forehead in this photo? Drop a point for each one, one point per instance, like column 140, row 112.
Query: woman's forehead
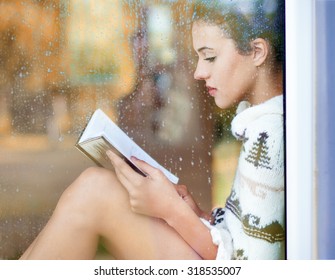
column 209, row 33
column 205, row 29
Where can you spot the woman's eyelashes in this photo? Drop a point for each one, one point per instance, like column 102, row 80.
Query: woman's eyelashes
column 210, row 59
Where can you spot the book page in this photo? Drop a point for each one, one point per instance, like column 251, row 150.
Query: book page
column 95, row 126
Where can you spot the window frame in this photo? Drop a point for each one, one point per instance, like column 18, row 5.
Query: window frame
column 300, row 130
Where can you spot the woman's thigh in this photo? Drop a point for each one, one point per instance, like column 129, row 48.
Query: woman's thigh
column 96, row 205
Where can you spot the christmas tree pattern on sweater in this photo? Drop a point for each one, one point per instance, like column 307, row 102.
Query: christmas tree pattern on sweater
column 259, row 153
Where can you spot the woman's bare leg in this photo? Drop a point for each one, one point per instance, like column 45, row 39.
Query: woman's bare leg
column 96, row 205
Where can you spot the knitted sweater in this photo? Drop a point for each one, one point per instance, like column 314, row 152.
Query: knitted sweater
column 251, row 226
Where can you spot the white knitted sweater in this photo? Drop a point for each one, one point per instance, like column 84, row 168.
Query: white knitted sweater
column 251, row 225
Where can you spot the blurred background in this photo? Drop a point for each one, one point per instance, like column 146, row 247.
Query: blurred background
column 62, row 59
column 59, row 61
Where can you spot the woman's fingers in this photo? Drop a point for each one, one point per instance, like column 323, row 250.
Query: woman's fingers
column 124, row 172
column 152, row 172
column 182, row 190
column 124, row 169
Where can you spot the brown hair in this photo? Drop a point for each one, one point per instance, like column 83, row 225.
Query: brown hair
column 242, row 27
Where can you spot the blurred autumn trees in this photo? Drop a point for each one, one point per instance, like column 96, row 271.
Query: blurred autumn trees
column 30, row 62
column 35, row 66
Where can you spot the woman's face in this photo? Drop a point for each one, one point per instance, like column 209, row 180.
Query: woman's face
column 229, row 76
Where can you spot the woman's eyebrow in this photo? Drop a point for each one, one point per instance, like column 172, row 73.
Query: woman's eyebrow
column 204, row 48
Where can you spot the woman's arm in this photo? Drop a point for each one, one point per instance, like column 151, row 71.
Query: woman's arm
column 156, row 196
column 187, row 223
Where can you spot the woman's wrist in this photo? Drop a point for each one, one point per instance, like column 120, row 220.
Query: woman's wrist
column 175, row 214
column 180, row 208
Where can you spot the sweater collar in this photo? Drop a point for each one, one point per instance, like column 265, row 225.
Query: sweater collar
column 247, row 114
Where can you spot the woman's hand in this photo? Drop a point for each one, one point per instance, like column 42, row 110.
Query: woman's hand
column 187, row 197
column 153, row 195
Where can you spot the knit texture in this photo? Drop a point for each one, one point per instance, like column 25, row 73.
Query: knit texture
column 251, row 226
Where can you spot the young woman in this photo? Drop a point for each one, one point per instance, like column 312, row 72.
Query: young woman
column 150, row 218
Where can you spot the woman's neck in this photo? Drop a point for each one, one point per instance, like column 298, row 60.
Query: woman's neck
column 269, row 84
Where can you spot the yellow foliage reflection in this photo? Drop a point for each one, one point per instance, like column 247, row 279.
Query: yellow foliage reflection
column 99, row 44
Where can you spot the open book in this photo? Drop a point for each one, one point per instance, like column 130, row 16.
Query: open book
column 102, row 134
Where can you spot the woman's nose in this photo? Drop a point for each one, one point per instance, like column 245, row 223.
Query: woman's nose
column 200, row 73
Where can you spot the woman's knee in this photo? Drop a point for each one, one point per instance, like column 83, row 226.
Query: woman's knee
column 96, row 176
column 95, row 180
column 91, row 191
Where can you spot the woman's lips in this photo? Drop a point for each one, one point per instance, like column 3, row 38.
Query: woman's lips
column 211, row 91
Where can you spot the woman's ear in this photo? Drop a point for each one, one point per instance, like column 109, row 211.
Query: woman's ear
column 260, row 51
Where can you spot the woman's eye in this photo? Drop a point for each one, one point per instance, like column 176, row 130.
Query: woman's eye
column 210, row 59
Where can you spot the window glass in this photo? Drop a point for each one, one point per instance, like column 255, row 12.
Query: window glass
column 62, row 59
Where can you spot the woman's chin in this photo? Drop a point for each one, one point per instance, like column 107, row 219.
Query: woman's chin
column 221, row 104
